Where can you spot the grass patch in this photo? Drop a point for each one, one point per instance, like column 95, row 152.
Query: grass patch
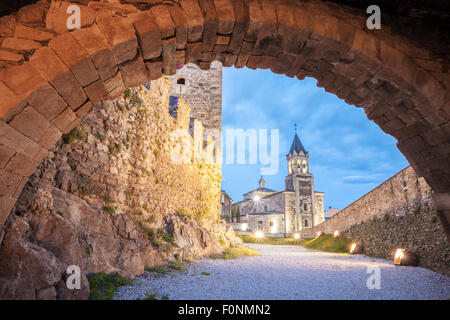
column 324, row 243
column 178, row 266
column 235, row 253
column 109, row 208
column 160, row 271
column 206, row 273
column 104, row 286
column 327, row 243
column 269, row 240
column 74, row 134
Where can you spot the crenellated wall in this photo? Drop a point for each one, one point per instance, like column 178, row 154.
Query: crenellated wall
column 132, row 186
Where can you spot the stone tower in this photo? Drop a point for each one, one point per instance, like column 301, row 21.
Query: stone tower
column 202, row 90
column 301, row 181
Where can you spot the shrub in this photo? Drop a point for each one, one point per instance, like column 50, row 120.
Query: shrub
column 178, row 265
column 109, row 208
column 114, row 148
column 74, row 134
column 206, row 273
column 104, row 286
column 151, row 295
column 159, row 271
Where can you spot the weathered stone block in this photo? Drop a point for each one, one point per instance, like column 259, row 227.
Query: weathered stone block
column 17, row 141
column 194, row 19
column 149, row 37
column 96, row 91
column 169, row 56
column 21, row 165
column 24, row 32
column 225, row 16
column 77, row 60
column 20, row 44
column 181, row 26
column 8, row 182
column 69, row 88
column 66, row 121
column 23, row 120
column 47, row 101
column 97, row 46
column 120, row 36
column 211, row 25
column 22, row 80
column 154, row 69
column 11, row 56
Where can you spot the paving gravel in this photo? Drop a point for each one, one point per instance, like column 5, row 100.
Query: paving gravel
column 292, row 272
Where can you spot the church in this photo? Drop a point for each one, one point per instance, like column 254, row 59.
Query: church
column 296, row 207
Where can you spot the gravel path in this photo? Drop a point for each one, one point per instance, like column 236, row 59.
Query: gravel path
column 291, row 272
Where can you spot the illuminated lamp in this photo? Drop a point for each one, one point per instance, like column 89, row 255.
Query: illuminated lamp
column 296, row 236
column 355, row 248
column 319, row 234
column 259, row 234
column 337, row 234
column 405, row 258
column 244, row 226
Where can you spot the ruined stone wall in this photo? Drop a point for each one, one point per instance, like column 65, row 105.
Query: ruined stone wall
column 397, row 213
column 202, row 90
column 123, row 157
column 128, row 188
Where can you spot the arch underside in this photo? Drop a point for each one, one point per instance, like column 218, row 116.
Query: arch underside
column 50, row 77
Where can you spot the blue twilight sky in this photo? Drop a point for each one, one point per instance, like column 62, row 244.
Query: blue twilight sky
column 349, row 155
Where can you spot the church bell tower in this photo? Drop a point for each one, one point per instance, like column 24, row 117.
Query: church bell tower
column 301, row 181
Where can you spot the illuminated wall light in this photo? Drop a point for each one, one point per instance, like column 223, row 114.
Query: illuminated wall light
column 337, row 234
column 259, row 234
column 319, row 234
column 296, row 236
column 244, row 226
column 405, row 258
column 355, row 248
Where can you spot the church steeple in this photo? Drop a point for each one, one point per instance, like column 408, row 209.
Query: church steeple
column 262, row 182
column 297, row 158
column 296, row 146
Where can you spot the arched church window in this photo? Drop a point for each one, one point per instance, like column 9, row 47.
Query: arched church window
column 305, row 207
column 306, row 223
column 181, row 81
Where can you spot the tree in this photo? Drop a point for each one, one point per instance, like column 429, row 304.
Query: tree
column 238, row 214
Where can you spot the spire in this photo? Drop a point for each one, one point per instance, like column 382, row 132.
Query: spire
column 296, row 146
column 262, row 182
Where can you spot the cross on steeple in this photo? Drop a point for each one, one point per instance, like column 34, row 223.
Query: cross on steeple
column 295, row 127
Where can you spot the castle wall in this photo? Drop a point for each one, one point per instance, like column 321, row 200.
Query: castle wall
column 397, row 213
column 202, row 91
column 131, row 158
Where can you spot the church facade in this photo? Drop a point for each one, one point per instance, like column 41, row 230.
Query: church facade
column 296, row 207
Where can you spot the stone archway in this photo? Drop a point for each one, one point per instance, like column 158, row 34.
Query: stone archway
column 50, row 77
